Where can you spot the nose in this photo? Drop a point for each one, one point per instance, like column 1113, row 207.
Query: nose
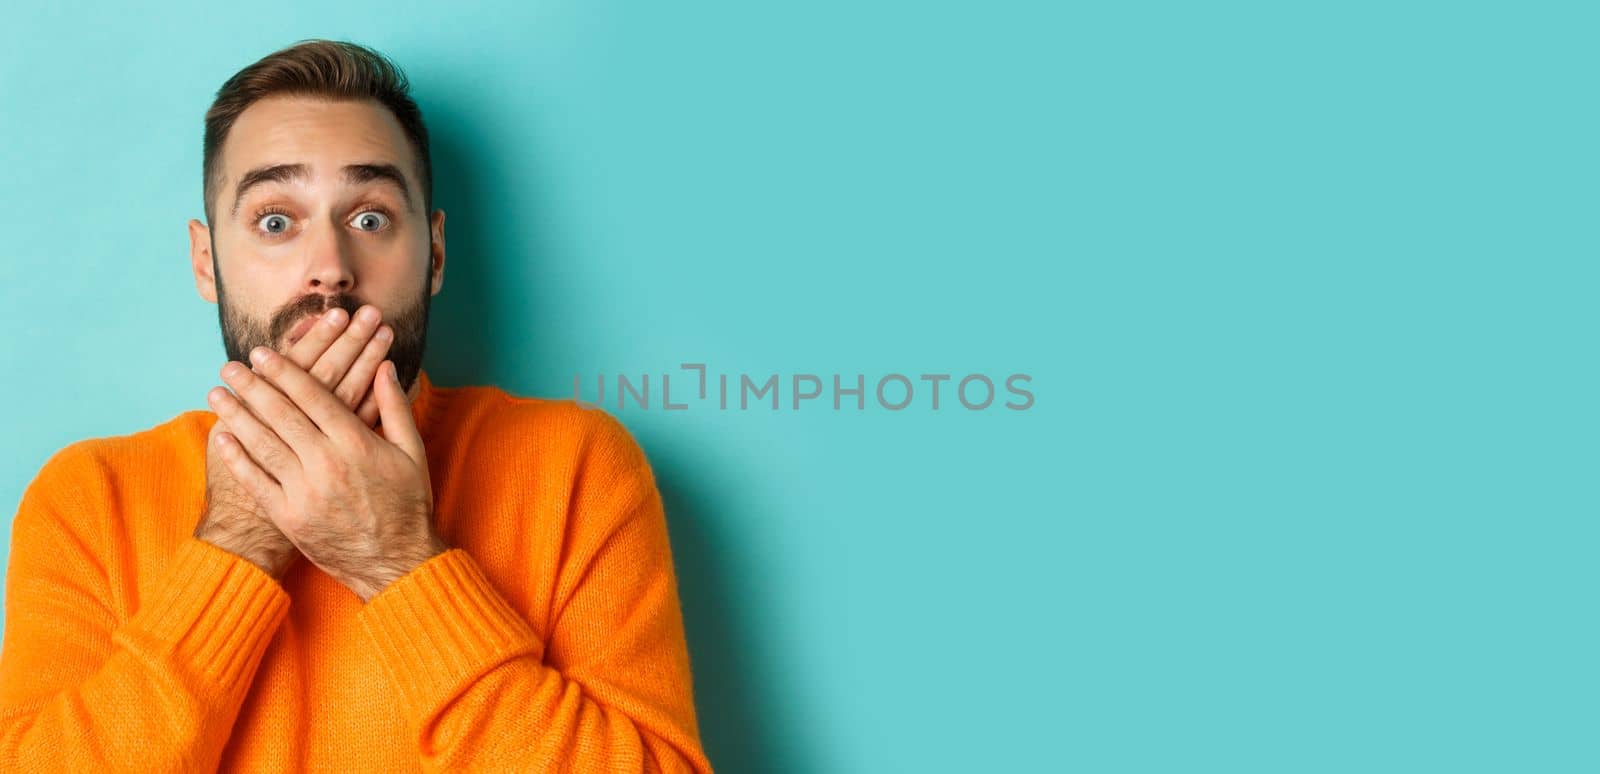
column 329, row 268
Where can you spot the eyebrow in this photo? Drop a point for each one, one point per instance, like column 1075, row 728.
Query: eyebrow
column 354, row 174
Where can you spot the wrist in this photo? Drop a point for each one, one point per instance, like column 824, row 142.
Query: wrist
column 393, row 568
column 264, row 548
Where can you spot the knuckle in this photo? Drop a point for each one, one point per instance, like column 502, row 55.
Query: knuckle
column 282, row 416
column 300, row 357
column 359, row 443
column 274, row 457
column 323, row 373
column 319, row 459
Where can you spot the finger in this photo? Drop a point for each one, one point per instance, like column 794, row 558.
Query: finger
column 264, row 445
column 398, row 426
column 334, row 364
column 256, row 482
column 359, row 379
column 368, row 411
column 272, row 407
column 310, row 347
column 300, row 401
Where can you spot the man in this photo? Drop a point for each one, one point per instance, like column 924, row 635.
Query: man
column 341, row 567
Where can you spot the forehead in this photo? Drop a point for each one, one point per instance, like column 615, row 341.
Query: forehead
column 323, row 134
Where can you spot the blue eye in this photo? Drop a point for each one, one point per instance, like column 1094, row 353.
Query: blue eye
column 273, row 223
column 371, row 220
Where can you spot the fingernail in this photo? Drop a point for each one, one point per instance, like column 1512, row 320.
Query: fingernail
column 367, row 314
column 260, row 356
column 383, row 333
column 334, row 317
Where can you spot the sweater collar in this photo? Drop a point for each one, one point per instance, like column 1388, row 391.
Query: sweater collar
column 424, row 398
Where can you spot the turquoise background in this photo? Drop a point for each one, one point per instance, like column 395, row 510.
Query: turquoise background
column 1307, row 293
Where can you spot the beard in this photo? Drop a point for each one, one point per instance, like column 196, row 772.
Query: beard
column 242, row 333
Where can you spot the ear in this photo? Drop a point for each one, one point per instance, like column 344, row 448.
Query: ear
column 200, row 260
column 436, row 260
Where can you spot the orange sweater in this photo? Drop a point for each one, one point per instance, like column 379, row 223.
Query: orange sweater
column 548, row 639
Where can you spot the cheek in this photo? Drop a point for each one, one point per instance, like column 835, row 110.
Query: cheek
column 256, row 284
column 240, row 256
column 256, row 288
column 391, row 272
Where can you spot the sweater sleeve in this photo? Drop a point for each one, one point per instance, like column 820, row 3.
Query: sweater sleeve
column 80, row 691
column 611, row 690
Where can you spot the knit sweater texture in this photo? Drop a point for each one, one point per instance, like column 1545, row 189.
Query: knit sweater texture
column 549, row 638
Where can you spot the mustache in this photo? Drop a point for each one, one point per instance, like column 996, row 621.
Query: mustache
column 241, row 333
column 310, row 305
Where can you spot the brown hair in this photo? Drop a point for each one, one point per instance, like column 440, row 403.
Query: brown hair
column 319, row 68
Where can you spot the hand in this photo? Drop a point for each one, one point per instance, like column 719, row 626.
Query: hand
column 345, row 357
column 356, row 502
column 234, row 522
column 346, row 362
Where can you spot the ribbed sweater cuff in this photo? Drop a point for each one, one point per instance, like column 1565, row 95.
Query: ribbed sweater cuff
column 216, row 612
column 442, row 626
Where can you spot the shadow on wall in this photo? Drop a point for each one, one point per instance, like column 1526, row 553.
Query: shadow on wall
column 465, row 328
column 469, row 343
column 740, row 713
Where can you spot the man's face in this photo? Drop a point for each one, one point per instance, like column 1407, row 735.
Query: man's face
column 320, row 206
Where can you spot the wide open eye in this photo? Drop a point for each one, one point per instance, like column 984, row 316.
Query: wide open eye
column 371, row 220
column 274, row 223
